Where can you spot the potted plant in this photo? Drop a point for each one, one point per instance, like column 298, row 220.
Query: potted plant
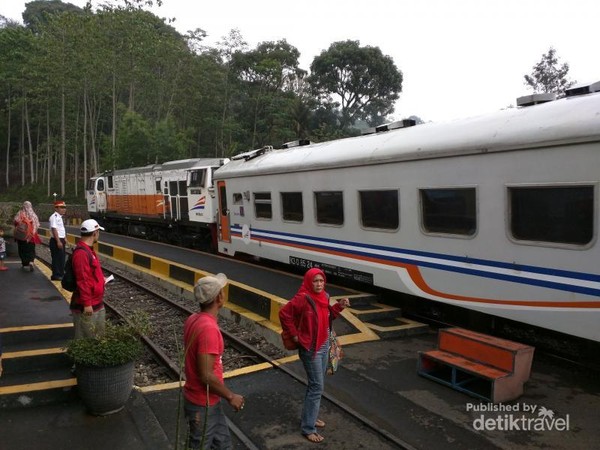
column 104, row 365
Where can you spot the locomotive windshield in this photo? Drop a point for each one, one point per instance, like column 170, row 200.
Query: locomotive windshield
column 198, row 178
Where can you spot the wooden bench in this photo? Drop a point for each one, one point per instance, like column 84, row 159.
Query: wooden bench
column 483, row 366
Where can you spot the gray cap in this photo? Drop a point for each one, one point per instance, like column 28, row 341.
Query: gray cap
column 207, row 288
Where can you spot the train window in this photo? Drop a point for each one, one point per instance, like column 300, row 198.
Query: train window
column 158, row 186
column 198, row 178
column 182, row 187
column 330, row 207
column 110, row 182
column 223, row 200
column 173, row 188
column 100, row 185
column 292, row 208
column 562, row 214
column 449, row 211
column 237, row 199
column 379, row 209
column 262, row 205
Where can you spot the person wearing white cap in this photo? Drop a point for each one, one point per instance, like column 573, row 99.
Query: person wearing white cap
column 204, row 387
column 87, row 302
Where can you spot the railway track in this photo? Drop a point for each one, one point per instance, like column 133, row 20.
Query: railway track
column 249, row 351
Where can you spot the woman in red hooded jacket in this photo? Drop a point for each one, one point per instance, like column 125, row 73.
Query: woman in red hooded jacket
column 307, row 318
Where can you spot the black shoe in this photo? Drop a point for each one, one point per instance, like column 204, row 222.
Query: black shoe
column 56, row 278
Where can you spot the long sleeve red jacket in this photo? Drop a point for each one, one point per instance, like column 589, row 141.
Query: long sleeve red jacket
column 90, row 279
column 299, row 318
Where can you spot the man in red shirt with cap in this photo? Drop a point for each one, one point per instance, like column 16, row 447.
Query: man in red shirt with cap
column 204, row 387
column 87, row 301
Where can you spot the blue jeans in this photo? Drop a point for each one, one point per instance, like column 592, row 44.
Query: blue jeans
column 58, row 258
column 315, row 365
column 217, row 432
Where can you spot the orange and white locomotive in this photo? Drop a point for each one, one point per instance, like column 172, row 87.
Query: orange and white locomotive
column 173, row 202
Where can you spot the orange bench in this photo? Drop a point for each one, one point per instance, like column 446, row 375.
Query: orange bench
column 483, row 366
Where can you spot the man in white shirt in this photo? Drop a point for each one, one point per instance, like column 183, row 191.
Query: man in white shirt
column 57, row 240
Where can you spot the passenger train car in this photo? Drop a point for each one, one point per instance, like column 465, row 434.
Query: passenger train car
column 173, row 202
column 497, row 214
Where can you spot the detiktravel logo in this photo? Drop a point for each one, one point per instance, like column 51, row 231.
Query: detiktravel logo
column 517, row 417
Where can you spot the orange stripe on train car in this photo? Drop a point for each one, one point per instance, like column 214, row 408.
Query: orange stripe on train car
column 416, row 276
column 146, row 205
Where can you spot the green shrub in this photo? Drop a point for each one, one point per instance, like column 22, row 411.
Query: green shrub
column 120, row 344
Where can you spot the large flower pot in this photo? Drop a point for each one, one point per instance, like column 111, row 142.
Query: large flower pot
column 105, row 390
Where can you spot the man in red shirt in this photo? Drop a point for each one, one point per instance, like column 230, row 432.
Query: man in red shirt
column 204, row 386
column 87, row 301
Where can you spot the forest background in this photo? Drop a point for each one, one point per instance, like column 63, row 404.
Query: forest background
column 84, row 91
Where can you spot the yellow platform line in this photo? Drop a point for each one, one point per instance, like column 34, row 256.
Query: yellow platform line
column 27, row 353
column 159, row 268
column 229, row 374
column 379, row 307
column 36, row 327
column 404, row 324
column 48, row 274
column 364, row 333
column 42, row 386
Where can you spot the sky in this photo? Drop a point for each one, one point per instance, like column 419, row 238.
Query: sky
column 459, row 58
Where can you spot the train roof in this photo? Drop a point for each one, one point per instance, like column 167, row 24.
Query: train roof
column 181, row 164
column 573, row 119
column 193, row 163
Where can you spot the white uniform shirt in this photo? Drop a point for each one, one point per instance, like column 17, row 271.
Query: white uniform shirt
column 56, row 221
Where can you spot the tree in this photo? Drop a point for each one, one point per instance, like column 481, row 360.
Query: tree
column 268, row 75
column 548, row 75
column 134, row 141
column 366, row 81
column 38, row 12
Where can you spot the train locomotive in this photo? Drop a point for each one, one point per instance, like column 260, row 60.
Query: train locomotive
column 496, row 214
column 171, row 202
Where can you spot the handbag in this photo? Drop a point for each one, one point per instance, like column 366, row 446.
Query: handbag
column 336, row 353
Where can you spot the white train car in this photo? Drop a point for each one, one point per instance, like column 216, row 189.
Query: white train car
column 497, row 214
column 173, row 201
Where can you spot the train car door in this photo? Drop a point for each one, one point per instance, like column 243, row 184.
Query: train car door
column 96, row 195
column 101, row 194
column 224, row 231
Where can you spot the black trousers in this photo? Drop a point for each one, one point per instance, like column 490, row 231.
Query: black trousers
column 26, row 252
column 58, row 258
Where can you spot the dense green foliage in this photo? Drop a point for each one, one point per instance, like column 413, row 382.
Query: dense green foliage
column 85, row 91
column 366, row 81
column 120, row 344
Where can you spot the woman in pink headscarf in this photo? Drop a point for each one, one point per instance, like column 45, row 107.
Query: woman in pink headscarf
column 27, row 220
column 307, row 318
